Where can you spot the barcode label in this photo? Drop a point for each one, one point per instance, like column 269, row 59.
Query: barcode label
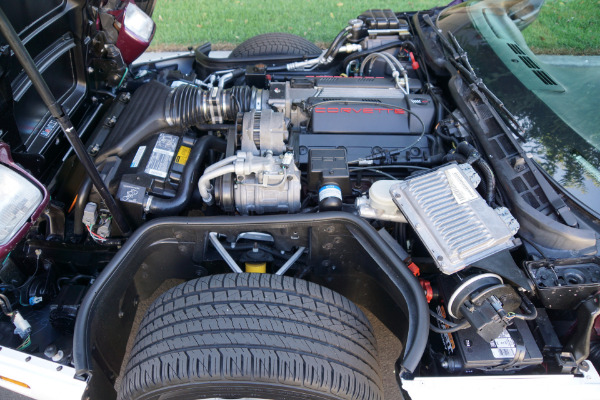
column 461, row 189
column 504, row 353
column 162, row 155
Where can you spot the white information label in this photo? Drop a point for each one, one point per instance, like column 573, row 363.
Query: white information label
column 461, row 189
column 138, row 156
column 329, row 191
column 162, row 155
column 503, row 346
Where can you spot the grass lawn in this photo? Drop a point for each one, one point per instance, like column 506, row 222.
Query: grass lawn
column 563, row 27
column 566, row 27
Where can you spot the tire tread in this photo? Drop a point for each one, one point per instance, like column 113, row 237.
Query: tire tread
column 275, row 44
column 255, row 328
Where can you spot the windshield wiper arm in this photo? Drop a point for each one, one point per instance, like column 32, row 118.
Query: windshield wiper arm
column 460, row 60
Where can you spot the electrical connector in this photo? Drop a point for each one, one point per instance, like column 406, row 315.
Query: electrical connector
column 35, row 300
column 104, row 229
column 90, row 214
column 22, row 327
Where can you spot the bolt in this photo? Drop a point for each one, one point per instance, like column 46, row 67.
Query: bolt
column 50, row 351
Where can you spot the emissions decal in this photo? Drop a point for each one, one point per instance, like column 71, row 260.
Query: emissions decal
column 162, row 154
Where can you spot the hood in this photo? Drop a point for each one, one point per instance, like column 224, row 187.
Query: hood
column 75, row 51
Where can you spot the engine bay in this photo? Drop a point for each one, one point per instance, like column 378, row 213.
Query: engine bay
column 369, row 129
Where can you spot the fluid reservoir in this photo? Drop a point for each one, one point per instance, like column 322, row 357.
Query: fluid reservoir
column 330, row 198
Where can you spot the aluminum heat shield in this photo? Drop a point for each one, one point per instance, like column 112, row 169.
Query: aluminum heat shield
column 454, row 222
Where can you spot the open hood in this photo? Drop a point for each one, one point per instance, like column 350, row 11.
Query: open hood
column 77, row 45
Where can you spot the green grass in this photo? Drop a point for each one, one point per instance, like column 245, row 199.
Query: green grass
column 225, row 23
column 566, row 27
column 563, row 27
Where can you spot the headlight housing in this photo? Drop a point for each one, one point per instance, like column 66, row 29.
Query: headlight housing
column 22, row 201
column 136, row 32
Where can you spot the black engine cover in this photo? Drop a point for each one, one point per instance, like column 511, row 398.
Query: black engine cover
column 408, row 115
column 366, row 116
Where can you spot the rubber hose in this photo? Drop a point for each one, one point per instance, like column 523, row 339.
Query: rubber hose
column 482, row 167
column 461, row 326
column 173, row 206
column 459, row 158
column 354, row 56
column 490, row 180
column 336, row 42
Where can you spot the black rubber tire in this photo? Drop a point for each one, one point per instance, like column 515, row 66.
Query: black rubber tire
column 271, row 44
column 253, row 336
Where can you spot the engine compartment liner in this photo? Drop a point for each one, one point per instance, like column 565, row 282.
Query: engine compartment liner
column 181, row 243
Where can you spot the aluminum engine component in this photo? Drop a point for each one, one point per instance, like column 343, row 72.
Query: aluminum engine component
column 454, row 222
column 262, row 185
column 264, row 131
column 380, row 205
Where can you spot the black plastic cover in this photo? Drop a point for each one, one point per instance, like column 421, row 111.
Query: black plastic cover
column 382, row 19
column 328, row 166
column 381, row 116
column 151, row 169
column 564, row 283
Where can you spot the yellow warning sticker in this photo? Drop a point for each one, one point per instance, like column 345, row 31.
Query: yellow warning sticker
column 182, row 155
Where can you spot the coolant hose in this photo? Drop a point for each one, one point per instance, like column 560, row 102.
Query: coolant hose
column 173, row 206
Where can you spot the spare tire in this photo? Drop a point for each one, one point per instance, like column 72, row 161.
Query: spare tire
column 271, row 44
column 253, row 336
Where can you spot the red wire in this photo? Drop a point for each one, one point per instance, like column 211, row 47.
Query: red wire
column 94, row 234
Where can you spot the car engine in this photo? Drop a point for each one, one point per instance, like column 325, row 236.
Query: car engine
column 361, row 168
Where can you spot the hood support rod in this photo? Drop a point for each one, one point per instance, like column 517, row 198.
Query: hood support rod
column 63, row 119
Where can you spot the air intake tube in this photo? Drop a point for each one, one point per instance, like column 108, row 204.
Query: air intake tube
column 188, row 105
column 155, row 108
